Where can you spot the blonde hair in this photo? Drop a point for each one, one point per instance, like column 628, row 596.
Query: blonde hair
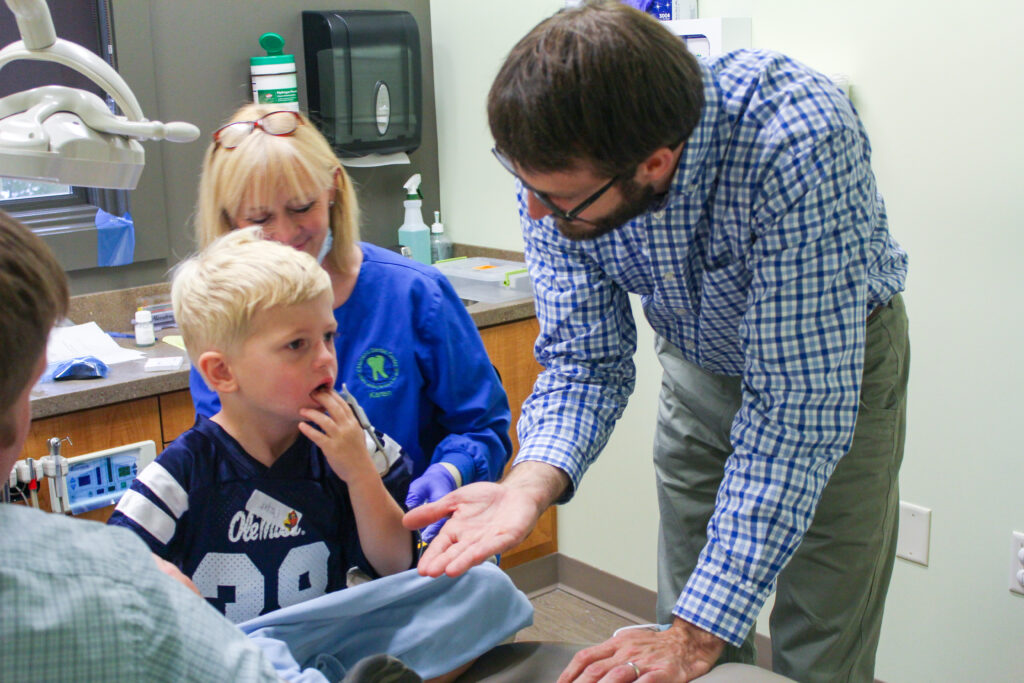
column 303, row 164
column 217, row 292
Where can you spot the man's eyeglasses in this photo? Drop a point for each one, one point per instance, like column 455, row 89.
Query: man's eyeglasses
column 570, row 215
column 274, row 123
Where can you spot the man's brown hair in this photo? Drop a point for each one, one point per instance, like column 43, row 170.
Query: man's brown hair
column 601, row 84
column 33, row 295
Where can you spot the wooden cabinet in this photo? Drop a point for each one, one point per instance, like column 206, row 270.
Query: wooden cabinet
column 162, row 418
column 176, row 415
column 510, row 347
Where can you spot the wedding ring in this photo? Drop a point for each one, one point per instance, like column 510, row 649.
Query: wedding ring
column 636, row 669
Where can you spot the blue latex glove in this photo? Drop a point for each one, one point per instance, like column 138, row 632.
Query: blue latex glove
column 435, row 483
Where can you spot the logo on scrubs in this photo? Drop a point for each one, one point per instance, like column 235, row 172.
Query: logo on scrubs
column 378, row 369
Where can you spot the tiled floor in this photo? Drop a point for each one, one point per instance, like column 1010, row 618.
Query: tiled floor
column 563, row 616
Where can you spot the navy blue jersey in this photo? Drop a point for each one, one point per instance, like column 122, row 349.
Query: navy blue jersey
column 252, row 538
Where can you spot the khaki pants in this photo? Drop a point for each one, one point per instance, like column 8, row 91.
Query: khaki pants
column 829, row 598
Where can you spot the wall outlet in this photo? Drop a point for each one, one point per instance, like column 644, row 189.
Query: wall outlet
column 915, row 531
column 1017, row 563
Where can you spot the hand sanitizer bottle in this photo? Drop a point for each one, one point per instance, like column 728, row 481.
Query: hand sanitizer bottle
column 414, row 233
column 440, row 245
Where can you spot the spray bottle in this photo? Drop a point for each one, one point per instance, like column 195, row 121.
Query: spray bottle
column 440, row 245
column 414, row 233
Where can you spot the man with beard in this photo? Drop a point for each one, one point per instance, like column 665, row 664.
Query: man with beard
column 736, row 197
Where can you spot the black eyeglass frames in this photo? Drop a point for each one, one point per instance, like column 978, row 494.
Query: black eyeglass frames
column 570, row 215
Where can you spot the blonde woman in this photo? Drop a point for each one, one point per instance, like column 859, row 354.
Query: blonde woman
column 407, row 349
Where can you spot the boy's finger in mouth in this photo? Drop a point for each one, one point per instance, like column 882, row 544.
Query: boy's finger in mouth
column 322, row 391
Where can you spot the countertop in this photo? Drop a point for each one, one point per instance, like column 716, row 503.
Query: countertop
column 129, row 381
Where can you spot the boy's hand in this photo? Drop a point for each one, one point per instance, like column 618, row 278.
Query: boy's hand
column 175, row 573
column 340, row 437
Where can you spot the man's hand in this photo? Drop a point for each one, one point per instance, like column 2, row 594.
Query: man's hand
column 485, row 519
column 679, row 654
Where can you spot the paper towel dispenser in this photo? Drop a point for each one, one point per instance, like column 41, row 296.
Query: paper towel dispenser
column 364, row 80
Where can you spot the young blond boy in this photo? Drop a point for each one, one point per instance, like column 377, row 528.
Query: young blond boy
column 269, row 502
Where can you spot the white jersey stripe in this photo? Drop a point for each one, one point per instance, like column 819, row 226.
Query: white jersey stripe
column 165, row 487
column 148, row 515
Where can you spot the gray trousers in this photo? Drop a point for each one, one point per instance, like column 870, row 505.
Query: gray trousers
column 829, row 598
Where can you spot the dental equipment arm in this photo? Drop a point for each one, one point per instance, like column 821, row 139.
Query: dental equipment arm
column 67, row 135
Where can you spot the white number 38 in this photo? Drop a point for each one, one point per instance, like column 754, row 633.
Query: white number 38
column 301, row 576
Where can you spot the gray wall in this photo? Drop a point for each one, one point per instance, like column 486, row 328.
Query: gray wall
column 188, row 60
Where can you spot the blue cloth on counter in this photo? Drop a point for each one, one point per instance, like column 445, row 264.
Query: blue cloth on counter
column 432, row 625
column 83, row 367
column 115, row 239
column 413, row 358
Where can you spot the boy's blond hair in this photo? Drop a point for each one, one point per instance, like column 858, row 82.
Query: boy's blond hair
column 217, row 292
column 301, row 163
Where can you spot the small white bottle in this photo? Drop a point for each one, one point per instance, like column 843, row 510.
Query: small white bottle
column 414, row 233
column 440, row 245
column 144, row 334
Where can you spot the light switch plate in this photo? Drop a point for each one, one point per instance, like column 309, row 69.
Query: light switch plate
column 915, row 530
column 1016, row 562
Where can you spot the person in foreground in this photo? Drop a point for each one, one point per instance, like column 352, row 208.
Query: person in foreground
column 277, row 495
column 410, row 353
column 736, row 197
column 82, row 601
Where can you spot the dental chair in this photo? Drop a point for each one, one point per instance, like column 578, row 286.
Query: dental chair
column 541, row 662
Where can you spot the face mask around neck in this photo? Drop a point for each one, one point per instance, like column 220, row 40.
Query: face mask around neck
column 325, row 248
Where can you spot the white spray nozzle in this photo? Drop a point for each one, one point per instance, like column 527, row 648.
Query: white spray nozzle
column 412, row 187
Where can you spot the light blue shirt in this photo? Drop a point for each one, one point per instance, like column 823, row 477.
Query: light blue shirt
column 764, row 260
column 85, row 602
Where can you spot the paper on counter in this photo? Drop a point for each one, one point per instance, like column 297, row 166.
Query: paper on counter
column 86, row 340
column 162, row 364
column 174, row 340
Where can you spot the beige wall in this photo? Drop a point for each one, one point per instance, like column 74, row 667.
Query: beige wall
column 938, row 87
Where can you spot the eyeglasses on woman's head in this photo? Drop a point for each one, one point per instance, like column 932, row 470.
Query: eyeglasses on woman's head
column 233, row 134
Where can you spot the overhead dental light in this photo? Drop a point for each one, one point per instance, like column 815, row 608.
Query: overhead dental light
column 67, row 135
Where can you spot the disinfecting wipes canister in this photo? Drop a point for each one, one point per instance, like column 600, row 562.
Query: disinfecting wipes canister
column 273, row 76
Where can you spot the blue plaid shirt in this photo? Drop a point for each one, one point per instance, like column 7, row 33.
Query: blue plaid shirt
column 764, row 260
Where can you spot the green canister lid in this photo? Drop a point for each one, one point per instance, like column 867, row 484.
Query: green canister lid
column 274, row 45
